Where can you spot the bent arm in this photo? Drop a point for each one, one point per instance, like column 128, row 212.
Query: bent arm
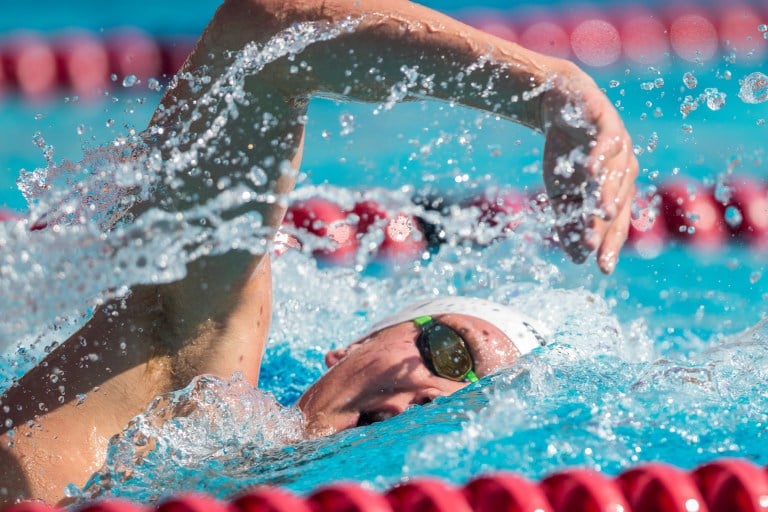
column 392, row 49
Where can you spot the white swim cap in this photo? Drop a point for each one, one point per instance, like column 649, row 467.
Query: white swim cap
column 525, row 332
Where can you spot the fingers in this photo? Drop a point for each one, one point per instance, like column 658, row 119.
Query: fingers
column 616, row 195
column 595, row 214
column 614, row 238
column 615, row 168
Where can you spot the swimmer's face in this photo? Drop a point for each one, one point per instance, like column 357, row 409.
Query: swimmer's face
column 380, row 376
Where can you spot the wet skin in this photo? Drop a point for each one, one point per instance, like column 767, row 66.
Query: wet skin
column 381, row 375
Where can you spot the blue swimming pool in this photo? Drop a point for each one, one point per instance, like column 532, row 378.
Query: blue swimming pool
column 665, row 360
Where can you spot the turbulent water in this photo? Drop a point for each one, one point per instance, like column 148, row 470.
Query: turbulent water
column 622, row 382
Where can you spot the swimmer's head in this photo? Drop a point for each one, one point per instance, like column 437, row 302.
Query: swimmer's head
column 386, row 370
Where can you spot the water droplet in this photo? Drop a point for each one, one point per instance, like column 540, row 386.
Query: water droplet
column 614, row 83
column 110, row 123
column 688, row 105
column 689, row 80
column 80, row 399
column 658, row 83
column 80, row 129
column 153, row 84
column 733, row 216
column 714, row 98
column 653, row 141
column 347, row 122
column 762, row 27
column 258, row 176
column 754, row 88
column 687, row 128
column 647, row 86
column 113, row 77
column 755, row 277
column 130, row 81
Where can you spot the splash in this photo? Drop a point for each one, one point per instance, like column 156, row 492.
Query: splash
column 191, row 436
column 551, row 412
column 81, row 242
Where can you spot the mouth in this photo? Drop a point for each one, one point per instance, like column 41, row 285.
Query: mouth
column 371, row 417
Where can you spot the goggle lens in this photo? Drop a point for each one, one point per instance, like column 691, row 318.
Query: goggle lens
column 444, row 351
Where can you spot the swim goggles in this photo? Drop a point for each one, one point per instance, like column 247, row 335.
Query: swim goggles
column 443, row 350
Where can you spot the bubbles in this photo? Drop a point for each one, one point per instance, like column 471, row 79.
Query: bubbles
column 754, row 88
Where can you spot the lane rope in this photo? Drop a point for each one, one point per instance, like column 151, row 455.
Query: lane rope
column 734, row 485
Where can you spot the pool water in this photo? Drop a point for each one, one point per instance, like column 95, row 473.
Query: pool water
column 665, row 360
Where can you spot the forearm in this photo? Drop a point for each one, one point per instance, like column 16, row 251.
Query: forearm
column 396, row 47
column 401, row 49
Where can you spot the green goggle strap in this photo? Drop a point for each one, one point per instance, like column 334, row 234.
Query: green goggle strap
column 421, row 321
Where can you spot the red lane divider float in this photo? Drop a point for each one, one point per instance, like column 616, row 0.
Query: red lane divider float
column 401, row 238
column 82, row 63
column 726, row 485
column 681, row 211
column 29, row 63
column 599, row 38
column 86, row 64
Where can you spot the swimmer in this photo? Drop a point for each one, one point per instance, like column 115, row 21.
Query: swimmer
column 215, row 320
column 429, row 349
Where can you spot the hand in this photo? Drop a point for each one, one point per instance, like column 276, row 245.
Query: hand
column 589, row 168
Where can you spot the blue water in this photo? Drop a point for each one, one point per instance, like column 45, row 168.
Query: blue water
column 650, row 364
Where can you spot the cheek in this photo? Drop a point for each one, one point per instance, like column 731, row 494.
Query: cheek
column 495, row 354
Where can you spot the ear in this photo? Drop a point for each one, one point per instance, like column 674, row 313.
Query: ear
column 334, row 356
